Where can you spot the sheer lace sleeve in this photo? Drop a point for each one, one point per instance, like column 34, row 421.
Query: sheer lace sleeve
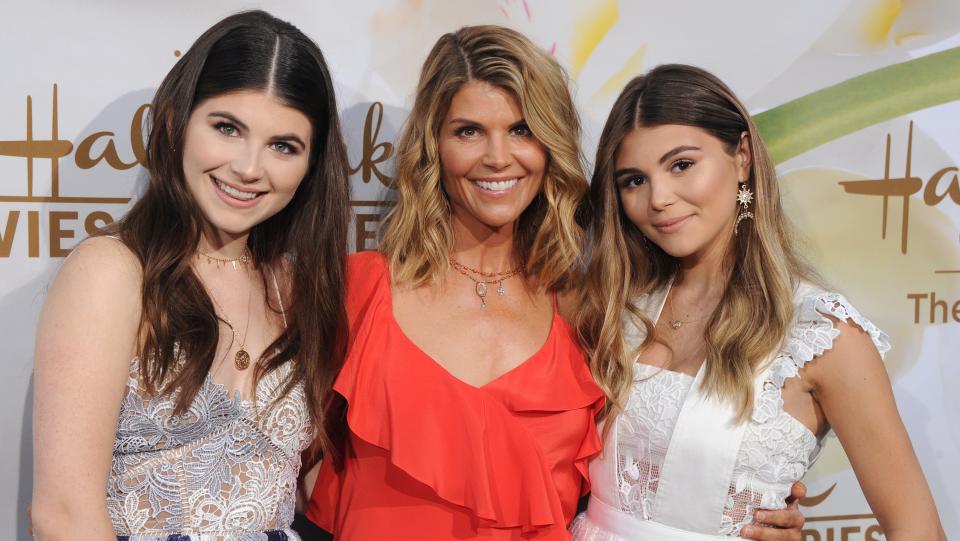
column 811, row 334
column 777, row 449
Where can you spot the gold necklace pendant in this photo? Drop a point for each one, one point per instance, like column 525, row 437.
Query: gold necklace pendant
column 482, row 293
column 241, row 359
column 675, row 324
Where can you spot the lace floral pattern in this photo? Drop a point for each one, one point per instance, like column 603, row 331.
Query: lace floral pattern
column 643, row 434
column 225, row 470
column 776, row 449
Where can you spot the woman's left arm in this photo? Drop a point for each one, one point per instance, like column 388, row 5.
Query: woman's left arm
column 851, row 385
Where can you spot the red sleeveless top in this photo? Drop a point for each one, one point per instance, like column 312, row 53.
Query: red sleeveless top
column 431, row 457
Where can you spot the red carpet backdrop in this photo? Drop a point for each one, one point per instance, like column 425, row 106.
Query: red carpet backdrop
column 858, row 100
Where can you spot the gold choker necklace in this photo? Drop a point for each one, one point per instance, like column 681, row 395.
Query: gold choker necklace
column 237, row 262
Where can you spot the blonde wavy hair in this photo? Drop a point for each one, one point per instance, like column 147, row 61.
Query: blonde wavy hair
column 756, row 307
column 416, row 237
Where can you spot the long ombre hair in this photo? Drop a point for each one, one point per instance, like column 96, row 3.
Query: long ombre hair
column 417, row 237
column 306, row 240
column 756, row 307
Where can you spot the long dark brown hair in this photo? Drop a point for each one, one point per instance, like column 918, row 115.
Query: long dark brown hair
column 757, row 303
column 305, row 241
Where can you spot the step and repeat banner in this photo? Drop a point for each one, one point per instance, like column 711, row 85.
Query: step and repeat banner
column 858, row 100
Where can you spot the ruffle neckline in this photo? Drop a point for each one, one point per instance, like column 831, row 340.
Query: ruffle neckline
column 460, row 440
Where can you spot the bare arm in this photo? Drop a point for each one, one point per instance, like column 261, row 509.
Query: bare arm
column 85, row 341
column 851, row 385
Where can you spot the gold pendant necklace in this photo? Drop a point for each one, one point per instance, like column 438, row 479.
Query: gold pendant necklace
column 480, row 284
column 241, row 359
column 674, row 322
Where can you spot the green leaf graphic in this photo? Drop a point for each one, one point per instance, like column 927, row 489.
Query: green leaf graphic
column 818, row 118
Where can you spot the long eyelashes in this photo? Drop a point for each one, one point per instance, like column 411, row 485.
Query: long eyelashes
column 231, row 130
column 284, row 148
column 519, row 130
column 467, row 131
column 681, row 165
column 227, row 129
column 632, row 181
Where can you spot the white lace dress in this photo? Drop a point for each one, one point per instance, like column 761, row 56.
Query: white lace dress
column 674, row 466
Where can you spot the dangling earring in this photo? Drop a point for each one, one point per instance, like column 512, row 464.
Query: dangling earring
column 744, row 198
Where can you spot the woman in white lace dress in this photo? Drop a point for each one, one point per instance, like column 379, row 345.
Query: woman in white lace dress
column 745, row 364
column 183, row 354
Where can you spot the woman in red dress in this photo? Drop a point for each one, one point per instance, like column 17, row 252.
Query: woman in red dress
column 469, row 405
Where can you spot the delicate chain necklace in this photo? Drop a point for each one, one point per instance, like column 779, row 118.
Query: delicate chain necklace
column 676, row 323
column 242, row 260
column 480, row 284
column 241, row 359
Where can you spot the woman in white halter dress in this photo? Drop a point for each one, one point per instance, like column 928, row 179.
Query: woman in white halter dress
column 672, row 442
column 744, row 364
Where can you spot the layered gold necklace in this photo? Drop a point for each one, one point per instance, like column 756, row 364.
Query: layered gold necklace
column 241, row 359
column 482, row 279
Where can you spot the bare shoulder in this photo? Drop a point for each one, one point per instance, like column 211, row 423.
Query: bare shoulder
column 101, row 275
column 104, row 257
column 852, row 355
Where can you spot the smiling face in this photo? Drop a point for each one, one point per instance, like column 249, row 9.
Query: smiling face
column 678, row 185
column 492, row 165
column 244, row 155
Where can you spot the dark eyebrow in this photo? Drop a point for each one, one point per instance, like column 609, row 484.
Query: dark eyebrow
column 634, row 171
column 626, row 171
column 461, row 120
column 229, row 117
column 676, row 151
column 285, row 138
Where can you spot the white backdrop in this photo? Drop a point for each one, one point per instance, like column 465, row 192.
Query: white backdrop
column 74, row 76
